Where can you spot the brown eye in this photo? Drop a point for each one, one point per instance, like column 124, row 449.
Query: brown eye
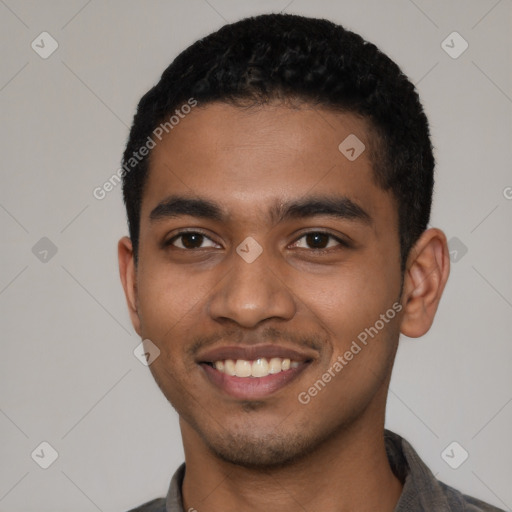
column 319, row 240
column 190, row 240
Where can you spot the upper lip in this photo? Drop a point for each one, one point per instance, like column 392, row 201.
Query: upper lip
column 252, row 352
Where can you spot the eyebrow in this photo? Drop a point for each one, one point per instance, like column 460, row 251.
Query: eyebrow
column 340, row 207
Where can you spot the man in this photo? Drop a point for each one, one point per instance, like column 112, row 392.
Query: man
column 278, row 184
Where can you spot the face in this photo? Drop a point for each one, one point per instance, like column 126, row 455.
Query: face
column 268, row 275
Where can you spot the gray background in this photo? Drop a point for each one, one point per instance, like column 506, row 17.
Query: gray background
column 68, row 373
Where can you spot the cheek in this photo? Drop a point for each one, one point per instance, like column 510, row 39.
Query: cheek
column 348, row 301
column 168, row 299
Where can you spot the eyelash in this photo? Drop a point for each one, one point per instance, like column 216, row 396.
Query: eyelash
column 341, row 242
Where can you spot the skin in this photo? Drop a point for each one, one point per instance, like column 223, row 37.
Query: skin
column 275, row 452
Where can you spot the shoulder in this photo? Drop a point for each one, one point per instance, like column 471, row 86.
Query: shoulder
column 172, row 500
column 463, row 502
column 421, row 489
column 156, row 505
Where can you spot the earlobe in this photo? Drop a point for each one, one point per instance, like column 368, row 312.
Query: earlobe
column 427, row 271
column 127, row 272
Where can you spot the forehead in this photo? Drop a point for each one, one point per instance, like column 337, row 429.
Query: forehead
column 247, row 158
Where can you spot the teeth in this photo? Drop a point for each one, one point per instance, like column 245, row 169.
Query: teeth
column 243, row 368
column 229, row 367
column 260, row 367
column 275, row 365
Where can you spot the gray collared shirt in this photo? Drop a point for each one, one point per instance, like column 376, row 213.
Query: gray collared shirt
column 421, row 490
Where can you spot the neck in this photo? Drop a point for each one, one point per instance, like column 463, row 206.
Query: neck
column 348, row 472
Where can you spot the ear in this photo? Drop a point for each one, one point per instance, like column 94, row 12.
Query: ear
column 128, row 274
column 427, row 270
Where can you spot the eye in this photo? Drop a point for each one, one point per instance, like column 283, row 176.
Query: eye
column 319, row 241
column 190, row 240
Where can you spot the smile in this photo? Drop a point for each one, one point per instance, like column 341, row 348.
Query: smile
column 253, row 372
column 258, row 368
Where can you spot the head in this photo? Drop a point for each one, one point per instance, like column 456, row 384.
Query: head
column 296, row 158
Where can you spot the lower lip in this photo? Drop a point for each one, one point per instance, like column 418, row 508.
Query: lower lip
column 251, row 388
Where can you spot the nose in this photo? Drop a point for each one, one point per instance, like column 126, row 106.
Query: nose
column 252, row 293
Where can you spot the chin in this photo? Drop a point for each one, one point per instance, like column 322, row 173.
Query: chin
column 265, row 451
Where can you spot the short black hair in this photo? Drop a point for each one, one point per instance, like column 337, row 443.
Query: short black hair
column 288, row 57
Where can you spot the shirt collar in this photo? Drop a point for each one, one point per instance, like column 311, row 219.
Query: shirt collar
column 421, row 490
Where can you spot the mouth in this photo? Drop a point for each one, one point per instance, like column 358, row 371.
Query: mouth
column 252, row 373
